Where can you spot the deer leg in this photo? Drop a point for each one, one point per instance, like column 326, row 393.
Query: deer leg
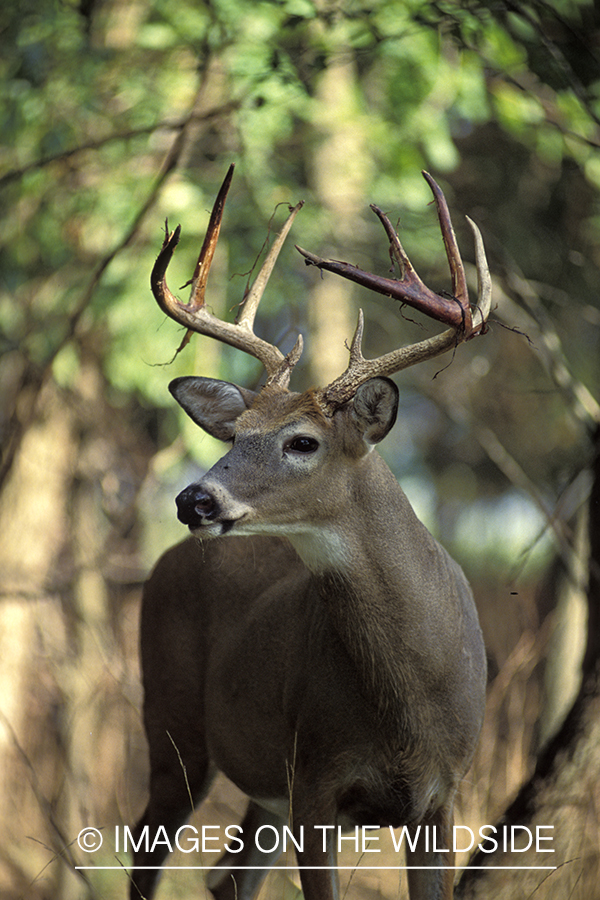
column 318, row 863
column 434, row 853
column 312, row 826
column 180, row 777
column 225, row 881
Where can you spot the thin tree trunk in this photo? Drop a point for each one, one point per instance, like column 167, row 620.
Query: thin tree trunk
column 339, row 173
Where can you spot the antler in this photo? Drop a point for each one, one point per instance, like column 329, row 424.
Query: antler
column 196, row 317
column 454, row 311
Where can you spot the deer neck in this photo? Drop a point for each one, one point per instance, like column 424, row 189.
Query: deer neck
column 378, row 572
column 372, row 539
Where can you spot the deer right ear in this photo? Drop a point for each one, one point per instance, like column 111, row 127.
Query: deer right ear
column 211, row 404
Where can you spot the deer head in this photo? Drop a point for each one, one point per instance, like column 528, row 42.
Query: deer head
column 465, row 322
column 294, row 423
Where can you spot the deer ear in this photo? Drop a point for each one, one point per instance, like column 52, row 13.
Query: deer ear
column 374, row 408
column 211, row 404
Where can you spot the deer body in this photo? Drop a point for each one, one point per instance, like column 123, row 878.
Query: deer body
column 338, row 657
column 312, row 640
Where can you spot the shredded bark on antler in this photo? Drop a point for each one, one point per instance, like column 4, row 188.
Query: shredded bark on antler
column 409, row 288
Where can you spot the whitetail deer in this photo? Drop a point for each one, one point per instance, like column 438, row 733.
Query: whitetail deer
column 326, row 655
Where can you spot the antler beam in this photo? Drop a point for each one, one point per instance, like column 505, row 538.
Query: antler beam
column 196, row 317
column 409, row 288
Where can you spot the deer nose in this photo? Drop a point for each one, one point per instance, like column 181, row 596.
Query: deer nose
column 195, row 505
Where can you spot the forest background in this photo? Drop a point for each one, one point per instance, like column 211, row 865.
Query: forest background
column 118, row 114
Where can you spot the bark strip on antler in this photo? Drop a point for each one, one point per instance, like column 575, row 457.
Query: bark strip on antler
column 409, row 288
column 200, row 276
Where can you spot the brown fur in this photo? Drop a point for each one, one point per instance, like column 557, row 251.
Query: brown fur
column 325, row 655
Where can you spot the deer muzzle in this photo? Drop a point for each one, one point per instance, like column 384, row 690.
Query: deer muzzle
column 195, row 506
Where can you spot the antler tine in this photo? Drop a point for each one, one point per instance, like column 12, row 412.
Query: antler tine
column 195, row 316
column 209, row 245
column 484, row 284
column 410, row 289
column 360, row 369
column 460, row 292
column 249, row 304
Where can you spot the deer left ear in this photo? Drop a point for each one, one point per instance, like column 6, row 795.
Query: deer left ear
column 374, row 408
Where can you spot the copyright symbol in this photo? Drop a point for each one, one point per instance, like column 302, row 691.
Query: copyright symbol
column 89, row 840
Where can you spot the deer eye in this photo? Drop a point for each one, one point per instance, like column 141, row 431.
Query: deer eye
column 303, row 444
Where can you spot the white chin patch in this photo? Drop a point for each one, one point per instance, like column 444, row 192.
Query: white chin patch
column 213, row 530
column 320, row 549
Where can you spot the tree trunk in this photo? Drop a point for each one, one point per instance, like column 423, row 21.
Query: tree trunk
column 67, row 682
column 339, row 172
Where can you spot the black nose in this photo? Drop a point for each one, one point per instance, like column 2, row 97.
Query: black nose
column 194, row 506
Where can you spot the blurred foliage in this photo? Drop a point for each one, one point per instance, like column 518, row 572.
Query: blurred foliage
column 116, row 115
